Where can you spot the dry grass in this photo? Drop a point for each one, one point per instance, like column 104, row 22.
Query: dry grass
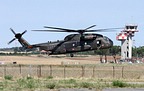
column 49, row 60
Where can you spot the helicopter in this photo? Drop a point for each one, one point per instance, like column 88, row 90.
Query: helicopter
column 80, row 41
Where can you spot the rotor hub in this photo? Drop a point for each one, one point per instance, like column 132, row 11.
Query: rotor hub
column 18, row 36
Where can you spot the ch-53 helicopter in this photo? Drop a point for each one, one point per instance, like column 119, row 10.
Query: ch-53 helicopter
column 79, row 42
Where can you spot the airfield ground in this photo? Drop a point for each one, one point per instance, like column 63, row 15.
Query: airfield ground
column 136, row 71
column 51, row 60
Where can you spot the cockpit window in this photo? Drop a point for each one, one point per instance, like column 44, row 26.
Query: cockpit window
column 106, row 38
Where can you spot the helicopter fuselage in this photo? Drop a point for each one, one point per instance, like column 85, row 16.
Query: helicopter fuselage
column 76, row 43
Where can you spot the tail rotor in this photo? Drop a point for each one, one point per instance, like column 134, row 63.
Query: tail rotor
column 17, row 35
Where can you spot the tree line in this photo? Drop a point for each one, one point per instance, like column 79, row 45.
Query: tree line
column 113, row 51
column 137, row 52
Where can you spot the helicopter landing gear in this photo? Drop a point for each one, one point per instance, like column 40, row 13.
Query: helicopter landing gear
column 71, row 55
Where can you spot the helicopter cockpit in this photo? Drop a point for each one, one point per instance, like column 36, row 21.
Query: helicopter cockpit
column 108, row 41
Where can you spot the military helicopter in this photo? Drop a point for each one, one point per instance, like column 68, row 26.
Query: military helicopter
column 78, row 42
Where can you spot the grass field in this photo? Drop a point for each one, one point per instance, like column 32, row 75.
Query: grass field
column 52, row 84
column 51, row 60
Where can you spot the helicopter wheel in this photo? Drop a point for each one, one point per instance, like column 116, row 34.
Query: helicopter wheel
column 71, row 55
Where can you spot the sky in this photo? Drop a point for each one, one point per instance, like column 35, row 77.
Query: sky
column 29, row 15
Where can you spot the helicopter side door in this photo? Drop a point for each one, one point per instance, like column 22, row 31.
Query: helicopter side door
column 72, row 46
column 77, row 46
column 98, row 42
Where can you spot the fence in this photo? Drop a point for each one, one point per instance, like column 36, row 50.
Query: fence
column 74, row 71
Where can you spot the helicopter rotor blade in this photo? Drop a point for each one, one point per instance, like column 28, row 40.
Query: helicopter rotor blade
column 80, row 31
column 12, row 31
column 12, row 40
column 90, row 27
column 104, row 30
column 49, row 30
column 64, row 29
column 24, row 32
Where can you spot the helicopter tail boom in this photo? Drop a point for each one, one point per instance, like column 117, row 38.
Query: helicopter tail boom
column 24, row 43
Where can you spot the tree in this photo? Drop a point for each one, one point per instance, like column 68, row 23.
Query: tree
column 105, row 52
column 101, row 53
column 114, row 51
column 140, row 52
column 134, row 52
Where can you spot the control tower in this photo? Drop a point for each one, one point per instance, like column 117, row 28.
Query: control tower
column 126, row 40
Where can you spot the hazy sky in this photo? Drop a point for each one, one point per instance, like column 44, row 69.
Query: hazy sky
column 74, row 14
